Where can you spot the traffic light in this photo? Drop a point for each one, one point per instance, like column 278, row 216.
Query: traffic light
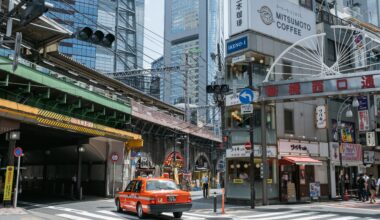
column 217, row 88
column 97, row 37
column 33, row 10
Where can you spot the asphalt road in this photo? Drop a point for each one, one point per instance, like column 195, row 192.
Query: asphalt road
column 104, row 209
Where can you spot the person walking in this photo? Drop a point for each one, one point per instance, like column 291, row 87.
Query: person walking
column 361, row 188
column 378, row 187
column 372, row 188
column 366, row 192
column 205, row 186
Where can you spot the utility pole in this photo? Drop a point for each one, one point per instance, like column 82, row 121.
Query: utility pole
column 264, row 153
column 187, row 112
column 251, row 130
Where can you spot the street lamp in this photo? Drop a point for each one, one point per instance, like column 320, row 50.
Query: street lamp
column 349, row 114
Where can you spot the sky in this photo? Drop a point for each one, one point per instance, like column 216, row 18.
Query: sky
column 154, row 22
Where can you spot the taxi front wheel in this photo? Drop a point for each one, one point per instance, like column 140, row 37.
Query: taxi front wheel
column 118, row 207
column 177, row 214
column 140, row 212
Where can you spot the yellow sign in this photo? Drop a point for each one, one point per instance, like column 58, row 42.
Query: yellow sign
column 238, row 181
column 8, row 183
column 269, row 181
column 134, row 143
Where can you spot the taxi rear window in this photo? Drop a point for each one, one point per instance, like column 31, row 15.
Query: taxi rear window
column 152, row 185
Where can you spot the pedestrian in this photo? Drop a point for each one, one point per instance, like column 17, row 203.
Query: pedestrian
column 366, row 192
column 372, row 188
column 378, row 186
column 361, row 188
column 205, row 186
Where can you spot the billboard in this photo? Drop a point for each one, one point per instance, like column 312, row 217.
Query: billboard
column 277, row 18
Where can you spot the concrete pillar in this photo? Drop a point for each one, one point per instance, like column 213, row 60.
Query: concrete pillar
column 79, row 171
column 6, row 126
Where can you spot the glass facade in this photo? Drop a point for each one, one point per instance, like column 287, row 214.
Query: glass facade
column 185, row 15
column 74, row 15
column 101, row 15
column 177, row 80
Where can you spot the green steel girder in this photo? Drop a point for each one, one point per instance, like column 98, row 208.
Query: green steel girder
column 37, row 89
column 34, row 76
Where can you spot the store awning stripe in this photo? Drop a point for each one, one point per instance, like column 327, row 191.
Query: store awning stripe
column 303, row 160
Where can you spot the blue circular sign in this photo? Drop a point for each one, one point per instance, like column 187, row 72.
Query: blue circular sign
column 246, row 96
column 17, row 152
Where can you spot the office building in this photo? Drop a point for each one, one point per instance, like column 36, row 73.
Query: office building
column 193, row 28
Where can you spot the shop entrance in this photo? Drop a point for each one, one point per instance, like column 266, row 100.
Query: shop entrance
column 295, row 181
column 350, row 175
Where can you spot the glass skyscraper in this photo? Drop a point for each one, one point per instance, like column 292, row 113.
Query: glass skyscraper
column 193, row 29
column 123, row 18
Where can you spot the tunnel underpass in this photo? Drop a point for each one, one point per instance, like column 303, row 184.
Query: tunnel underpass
column 53, row 157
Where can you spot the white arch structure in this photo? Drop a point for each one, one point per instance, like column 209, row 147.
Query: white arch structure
column 355, row 50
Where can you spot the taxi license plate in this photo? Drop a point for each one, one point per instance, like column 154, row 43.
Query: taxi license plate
column 172, row 199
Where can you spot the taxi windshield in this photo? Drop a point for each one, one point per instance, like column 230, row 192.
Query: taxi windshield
column 160, row 185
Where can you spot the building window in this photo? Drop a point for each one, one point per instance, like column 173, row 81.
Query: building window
column 287, row 70
column 331, row 50
column 288, row 121
column 307, row 4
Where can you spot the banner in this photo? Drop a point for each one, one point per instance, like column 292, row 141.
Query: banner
column 352, row 152
column 359, row 49
column 8, row 185
column 347, row 133
column 377, row 105
column 363, row 120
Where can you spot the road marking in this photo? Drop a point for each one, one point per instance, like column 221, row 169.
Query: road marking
column 73, row 217
column 319, row 217
column 202, row 215
column 344, row 218
column 80, row 212
column 108, row 213
column 267, row 214
column 291, row 216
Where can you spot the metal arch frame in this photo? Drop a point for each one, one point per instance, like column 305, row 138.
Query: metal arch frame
column 289, row 48
column 324, row 67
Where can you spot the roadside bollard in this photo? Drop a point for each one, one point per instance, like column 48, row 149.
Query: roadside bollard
column 223, row 212
column 215, row 202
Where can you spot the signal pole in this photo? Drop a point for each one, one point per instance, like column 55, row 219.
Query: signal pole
column 251, row 130
column 187, row 112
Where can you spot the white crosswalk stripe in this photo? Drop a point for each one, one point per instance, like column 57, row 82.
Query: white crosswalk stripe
column 344, row 218
column 83, row 213
column 321, row 216
column 107, row 212
column 267, row 214
column 290, row 216
column 73, row 217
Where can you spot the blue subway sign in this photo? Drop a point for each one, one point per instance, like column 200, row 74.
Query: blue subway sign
column 237, row 45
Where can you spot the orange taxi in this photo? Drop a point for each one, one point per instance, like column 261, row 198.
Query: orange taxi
column 153, row 196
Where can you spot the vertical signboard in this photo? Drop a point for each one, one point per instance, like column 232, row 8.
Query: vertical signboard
column 363, row 120
column 359, row 49
column 8, row 183
column 363, row 103
column 377, row 105
column 238, row 16
column 321, row 116
column 370, row 137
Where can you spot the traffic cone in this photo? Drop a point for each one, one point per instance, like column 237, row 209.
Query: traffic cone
column 345, row 196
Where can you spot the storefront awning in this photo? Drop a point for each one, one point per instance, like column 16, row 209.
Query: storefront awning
column 303, row 160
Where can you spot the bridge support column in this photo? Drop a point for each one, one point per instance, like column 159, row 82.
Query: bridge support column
column 6, row 126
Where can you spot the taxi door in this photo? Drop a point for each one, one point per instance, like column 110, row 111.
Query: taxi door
column 135, row 194
column 125, row 199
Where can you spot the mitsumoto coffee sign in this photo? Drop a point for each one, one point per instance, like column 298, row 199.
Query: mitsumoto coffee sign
column 277, row 18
